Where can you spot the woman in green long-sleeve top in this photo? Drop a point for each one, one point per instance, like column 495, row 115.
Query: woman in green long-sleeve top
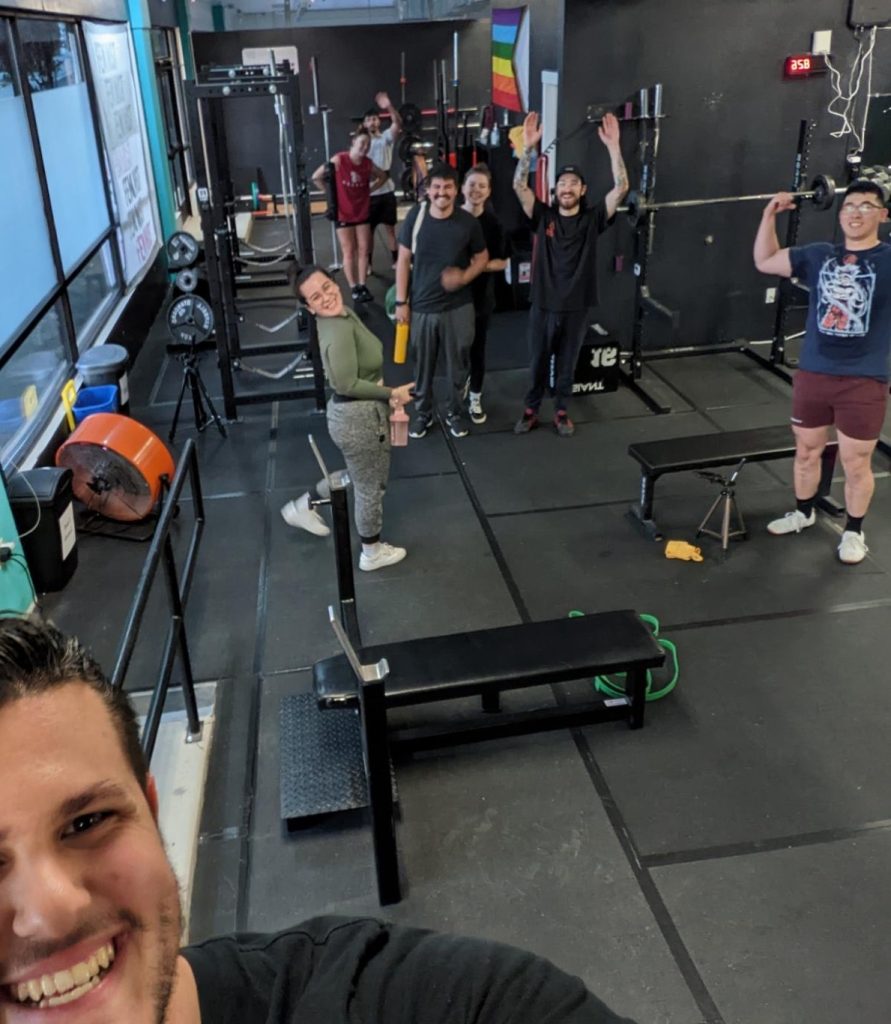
column 358, row 415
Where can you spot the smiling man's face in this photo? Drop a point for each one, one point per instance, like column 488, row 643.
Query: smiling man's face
column 89, row 907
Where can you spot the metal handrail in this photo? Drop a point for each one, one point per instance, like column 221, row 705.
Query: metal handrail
column 161, row 550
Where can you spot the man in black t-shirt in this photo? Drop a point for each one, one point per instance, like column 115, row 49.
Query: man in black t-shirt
column 564, row 274
column 90, row 918
column 449, row 253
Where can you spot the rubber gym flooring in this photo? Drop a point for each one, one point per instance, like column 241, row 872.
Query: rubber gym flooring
column 727, row 863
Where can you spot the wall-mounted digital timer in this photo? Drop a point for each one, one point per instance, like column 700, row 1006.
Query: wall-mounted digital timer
column 803, row 64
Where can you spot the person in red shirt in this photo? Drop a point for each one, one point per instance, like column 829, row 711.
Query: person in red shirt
column 355, row 177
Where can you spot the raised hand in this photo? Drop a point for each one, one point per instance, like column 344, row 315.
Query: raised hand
column 608, row 131
column 382, row 100
column 781, row 202
column 531, row 130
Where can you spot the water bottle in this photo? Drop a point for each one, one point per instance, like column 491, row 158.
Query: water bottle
column 400, row 349
column 399, row 427
column 495, row 137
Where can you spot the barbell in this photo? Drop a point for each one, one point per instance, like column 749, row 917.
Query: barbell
column 821, row 194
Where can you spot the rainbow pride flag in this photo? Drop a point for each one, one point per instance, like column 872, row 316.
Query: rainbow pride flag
column 505, row 30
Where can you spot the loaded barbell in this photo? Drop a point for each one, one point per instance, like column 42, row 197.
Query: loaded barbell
column 821, row 194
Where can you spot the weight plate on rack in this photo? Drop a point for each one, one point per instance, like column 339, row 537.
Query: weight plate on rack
column 183, row 250
column 186, row 280
column 190, row 320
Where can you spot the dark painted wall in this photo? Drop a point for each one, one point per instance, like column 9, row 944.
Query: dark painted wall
column 732, row 129
column 354, row 63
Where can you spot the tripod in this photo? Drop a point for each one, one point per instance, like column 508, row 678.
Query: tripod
column 201, row 400
column 728, row 497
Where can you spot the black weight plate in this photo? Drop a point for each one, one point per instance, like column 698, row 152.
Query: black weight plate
column 190, row 319
column 824, row 192
column 182, row 250
column 186, row 280
column 404, row 148
column 411, row 118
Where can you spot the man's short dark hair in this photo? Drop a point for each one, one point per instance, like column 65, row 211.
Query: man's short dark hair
column 36, row 658
column 371, row 112
column 869, row 187
column 443, row 171
column 300, row 275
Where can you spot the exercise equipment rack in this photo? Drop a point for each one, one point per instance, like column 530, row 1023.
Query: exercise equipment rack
column 207, row 96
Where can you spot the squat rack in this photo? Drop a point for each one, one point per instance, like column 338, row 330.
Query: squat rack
column 646, row 304
column 207, row 97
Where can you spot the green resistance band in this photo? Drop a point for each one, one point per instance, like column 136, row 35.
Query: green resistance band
column 614, row 686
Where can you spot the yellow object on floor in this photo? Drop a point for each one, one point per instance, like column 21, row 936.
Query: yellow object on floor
column 681, row 549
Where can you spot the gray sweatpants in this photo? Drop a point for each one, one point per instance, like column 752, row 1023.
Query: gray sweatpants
column 361, row 430
column 453, row 329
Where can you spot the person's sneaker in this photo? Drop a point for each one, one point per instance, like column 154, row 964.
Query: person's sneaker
column 301, row 514
column 852, row 548
column 564, row 425
column 418, row 426
column 457, row 425
column 386, row 554
column 528, row 421
column 791, row 522
column 364, row 294
column 475, row 408
column 357, row 294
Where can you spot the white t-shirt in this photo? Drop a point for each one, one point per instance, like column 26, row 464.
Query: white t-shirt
column 381, row 153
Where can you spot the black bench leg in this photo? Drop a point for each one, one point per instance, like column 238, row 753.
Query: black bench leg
column 380, row 792
column 643, row 511
column 636, row 690
column 491, row 701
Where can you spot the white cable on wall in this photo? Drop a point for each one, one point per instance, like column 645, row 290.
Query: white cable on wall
column 862, row 62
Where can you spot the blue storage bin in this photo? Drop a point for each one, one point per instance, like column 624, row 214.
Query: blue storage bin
column 101, row 398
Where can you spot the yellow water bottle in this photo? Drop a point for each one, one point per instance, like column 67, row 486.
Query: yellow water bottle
column 400, row 349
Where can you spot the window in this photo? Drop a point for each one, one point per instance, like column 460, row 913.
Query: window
column 54, row 71
column 33, row 373
column 26, row 256
column 91, row 294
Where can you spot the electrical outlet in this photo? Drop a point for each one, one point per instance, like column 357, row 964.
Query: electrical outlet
column 770, row 296
column 821, row 41
column 6, row 550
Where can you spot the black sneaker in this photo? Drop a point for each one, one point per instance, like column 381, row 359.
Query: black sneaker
column 528, row 421
column 419, row 427
column 364, row 294
column 357, row 294
column 457, row 425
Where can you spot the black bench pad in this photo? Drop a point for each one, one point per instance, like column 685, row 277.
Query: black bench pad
column 705, row 450
column 509, row 657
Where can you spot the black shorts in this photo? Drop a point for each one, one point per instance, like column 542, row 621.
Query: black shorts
column 349, row 223
column 383, row 210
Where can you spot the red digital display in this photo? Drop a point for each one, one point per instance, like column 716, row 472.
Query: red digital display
column 803, row 64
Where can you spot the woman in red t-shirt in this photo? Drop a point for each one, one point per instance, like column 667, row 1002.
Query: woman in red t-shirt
column 355, row 177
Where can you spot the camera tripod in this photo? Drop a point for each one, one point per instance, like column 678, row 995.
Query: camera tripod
column 203, row 406
column 728, row 497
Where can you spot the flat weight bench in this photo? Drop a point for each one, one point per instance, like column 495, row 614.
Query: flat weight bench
column 705, row 451
column 481, row 663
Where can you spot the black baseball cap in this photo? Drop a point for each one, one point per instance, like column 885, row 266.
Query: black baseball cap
column 570, row 169
column 870, row 187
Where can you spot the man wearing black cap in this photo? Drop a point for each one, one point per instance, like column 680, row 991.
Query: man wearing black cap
column 564, row 275
column 842, row 376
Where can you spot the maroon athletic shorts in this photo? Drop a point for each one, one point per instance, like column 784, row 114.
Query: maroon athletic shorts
column 856, row 405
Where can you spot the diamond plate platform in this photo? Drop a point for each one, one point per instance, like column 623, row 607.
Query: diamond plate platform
column 321, row 759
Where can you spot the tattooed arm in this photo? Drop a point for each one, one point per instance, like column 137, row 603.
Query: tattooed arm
column 609, row 136
column 531, row 138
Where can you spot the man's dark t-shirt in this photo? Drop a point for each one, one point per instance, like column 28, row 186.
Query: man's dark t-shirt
column 564, row 271
column 333, row 970
column 483, row 287
column 442, row 242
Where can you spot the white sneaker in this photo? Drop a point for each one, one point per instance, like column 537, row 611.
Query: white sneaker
column 852, row 548
column 386, row 554
column 475, row 408
column 792, row 522
column 299, row 513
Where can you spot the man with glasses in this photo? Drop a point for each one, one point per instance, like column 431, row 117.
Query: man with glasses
column 842, row 379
